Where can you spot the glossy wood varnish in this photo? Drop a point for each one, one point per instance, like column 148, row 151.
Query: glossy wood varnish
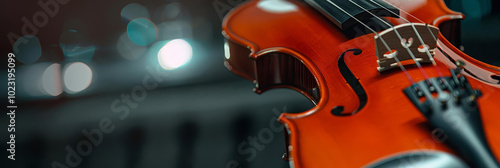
column 299, row 49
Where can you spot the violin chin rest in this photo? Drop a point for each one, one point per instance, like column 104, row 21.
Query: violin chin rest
column 419, row 159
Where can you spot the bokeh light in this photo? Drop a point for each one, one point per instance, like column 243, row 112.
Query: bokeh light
column 69, row 40
column 51, row 80
column 175, row 23
column 133, row 11
column 171, row 11
column 28, row 49
column 141, row 31
column 174, row 30
column 77, row 77
column 129, row 50
column 73, row 45
column 472, row 8
column 174, row 54
column 30, row 78
column 40, row 80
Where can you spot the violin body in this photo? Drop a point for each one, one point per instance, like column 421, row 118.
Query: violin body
column 290, row 45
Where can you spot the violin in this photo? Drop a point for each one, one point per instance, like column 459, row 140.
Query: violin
column 389, row 84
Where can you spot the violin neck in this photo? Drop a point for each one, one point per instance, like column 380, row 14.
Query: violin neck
column 341, row 12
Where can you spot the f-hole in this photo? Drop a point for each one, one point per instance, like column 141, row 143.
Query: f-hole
column 353, row 82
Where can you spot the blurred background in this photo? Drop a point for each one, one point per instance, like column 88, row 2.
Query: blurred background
column 124, row 83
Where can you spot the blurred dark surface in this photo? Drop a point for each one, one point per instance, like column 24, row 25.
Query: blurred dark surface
column 197, row 117
column 192, row 126
column 480, row 29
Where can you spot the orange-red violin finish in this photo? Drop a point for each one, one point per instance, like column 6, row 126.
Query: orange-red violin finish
column 292, row 45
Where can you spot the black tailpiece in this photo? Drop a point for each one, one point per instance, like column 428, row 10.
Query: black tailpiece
column 449, row 104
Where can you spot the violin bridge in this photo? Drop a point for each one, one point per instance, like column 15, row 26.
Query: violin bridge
column 401, row 38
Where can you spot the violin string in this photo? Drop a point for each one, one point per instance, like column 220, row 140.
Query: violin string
column 382, row 39
column 421, row 21
column 418, row 34
column 409, row 14
column 400, row 38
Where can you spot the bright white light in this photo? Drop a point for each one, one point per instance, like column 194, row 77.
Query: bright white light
column 51, row 80
column 77, row 77
column 174, row 54
column 274, row 6
column 227, row 52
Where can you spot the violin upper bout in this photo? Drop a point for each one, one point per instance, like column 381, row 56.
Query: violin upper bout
column 273, row 68
column 264, row 45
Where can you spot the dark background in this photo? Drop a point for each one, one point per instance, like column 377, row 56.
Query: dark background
column 199, row 114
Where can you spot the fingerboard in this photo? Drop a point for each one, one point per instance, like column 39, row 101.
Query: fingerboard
column 340, row 11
